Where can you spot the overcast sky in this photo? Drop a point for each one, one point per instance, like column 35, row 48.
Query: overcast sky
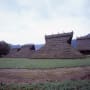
column 28, row 21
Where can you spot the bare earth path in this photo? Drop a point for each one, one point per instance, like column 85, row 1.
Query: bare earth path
column 38, row 75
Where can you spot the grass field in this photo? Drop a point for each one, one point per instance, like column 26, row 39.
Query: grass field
column 42, row 63
column 65, row 85
column 21, row 63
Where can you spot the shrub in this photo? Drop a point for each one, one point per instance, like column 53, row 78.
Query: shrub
column 4, row 48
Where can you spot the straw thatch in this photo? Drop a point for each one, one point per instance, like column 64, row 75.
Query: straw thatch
column 24, row 52
column 57, row 46
column 12, row 52
column 83, row 44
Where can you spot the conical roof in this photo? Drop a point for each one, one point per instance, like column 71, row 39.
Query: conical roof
column 24, row 52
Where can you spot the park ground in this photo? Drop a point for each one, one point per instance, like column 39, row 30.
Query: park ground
column 43, row 70
column 40, row 76
column 52, row 73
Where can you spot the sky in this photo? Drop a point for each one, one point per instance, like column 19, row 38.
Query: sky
column 28, row 21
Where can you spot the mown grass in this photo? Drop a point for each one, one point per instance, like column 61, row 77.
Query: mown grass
column 22, row 63
column 65, row 85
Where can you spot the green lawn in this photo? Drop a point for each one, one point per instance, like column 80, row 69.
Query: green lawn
column 42, row 63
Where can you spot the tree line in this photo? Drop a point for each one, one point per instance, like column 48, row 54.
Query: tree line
column 4, row 48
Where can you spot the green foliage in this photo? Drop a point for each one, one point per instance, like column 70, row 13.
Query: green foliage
column 42, row 63
column 4, row 48
column 66, row 85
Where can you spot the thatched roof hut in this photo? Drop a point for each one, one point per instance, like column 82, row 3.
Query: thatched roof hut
column 83, row 44
column 24, row 52
column 12, row 52
column 57, row 46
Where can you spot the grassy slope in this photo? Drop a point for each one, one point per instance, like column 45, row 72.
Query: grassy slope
column 39, row 63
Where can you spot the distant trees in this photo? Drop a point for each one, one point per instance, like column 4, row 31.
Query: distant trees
column 4, row 48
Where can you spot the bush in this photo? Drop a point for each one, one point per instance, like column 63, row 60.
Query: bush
column 4, row 48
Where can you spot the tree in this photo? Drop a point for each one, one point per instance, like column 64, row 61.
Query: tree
column 4, row 48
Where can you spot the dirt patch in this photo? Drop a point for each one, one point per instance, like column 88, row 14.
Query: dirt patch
column 33, row 76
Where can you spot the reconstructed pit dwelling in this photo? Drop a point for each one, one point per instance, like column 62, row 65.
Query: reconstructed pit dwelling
column 57, row 46
column 12, row 53
column 24, row 52
column 83, row 44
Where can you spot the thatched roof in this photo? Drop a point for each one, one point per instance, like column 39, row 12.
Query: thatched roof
column 83, row 43
column 84, row 37
column 59, row 35
column 24, row 52
column 12, row 52
column 57, row 46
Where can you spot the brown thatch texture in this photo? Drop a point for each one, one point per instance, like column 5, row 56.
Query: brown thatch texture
column 57, row 46
column 24, row 52
column 83, row 43
column 12, row 52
